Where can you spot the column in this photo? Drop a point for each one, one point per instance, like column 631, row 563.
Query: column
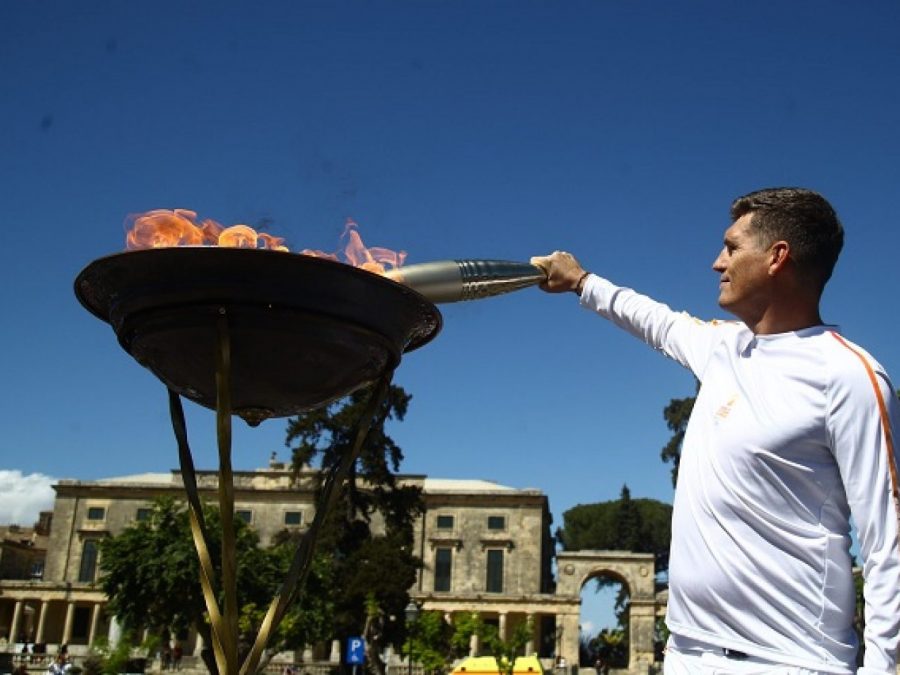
column 335, row 656
column 529, row 621
column 567, row 637
column 14, row 626
column 67, row 626
column 42, row 615
column 95, row 620
column 115, row 632
column 501, row 626
column 642, row 619
column 198, row 646
column 474, row 644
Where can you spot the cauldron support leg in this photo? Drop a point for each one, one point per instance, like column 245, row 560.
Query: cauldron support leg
column 224, row 624
column 292, row 586
column 226, row 494
column 198, row 528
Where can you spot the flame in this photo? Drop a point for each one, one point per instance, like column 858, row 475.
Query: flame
column 373, row 259
column 162, row 228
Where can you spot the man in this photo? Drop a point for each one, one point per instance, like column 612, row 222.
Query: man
column 792, row 433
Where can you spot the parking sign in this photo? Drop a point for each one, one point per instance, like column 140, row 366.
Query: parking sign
column 356, row 651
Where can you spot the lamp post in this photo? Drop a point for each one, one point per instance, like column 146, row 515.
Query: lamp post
column 412, row 615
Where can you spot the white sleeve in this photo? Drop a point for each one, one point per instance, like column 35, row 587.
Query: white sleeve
column 678, row 335
column 864, row 419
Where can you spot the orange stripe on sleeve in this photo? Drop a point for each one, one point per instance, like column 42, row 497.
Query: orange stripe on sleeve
column 885, row 421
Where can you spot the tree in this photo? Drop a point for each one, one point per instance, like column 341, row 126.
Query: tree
column 435, row 643
column 306, row 622
column 637, row 525
column 677, row 414
column 630, row 533
column 505, row 651
column 859, row 614
column 465, row 625
column 611, row 647
column 108, row 659
column 150, row 572
column 431, row 642
column 365, row 595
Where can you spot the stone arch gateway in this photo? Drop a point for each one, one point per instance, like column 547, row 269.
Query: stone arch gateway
column 636, row 570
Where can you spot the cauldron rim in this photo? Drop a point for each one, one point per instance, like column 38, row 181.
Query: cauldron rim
column 383, row 318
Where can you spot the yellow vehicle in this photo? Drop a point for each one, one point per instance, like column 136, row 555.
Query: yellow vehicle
column 487, row 665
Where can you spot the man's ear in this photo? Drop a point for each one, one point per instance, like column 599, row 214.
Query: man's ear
column 779, row 252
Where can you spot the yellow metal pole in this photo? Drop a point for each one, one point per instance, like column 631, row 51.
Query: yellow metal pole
column 198, row 529
column 299, row 569
column 226, row 495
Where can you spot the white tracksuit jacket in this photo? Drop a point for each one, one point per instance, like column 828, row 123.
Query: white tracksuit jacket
column 791, row 436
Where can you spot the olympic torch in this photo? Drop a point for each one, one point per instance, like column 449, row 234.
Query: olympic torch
column 455, row 280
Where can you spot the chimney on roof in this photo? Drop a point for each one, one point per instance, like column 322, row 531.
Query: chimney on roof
column 42, row 526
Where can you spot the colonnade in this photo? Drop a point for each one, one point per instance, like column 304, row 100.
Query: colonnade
column 50, row 618
column 57, row 614
column 508, row 616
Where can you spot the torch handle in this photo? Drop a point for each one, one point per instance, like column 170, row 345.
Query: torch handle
column 456, row 280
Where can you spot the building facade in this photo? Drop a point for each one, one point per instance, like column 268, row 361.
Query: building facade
column 23, row 549
column 485, row 548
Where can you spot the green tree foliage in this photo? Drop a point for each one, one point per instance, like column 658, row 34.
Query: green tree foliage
column 305, row 622
column 677, row 414
column 631, row 532
column 436, row 644
column 431, row 642
column 610, row 647
column 505, row 651
column 366, row 597
column 624, row 524
column 150, row 573
column 378, row 573
column 859, row 616
column 465, row 625
column 108, row 659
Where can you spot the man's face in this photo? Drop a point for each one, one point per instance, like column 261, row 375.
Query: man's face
column 743, row 267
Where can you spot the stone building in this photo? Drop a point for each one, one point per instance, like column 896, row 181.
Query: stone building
column 486, row 548
column 23, row 549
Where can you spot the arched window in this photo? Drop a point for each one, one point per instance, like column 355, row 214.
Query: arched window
column 88, row 571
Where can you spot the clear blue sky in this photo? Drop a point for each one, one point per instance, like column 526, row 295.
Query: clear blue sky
column 617, row 130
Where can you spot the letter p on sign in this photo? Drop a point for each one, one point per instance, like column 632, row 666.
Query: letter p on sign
column 356, row 651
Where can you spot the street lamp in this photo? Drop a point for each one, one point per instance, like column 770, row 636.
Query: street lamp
column 412, row 615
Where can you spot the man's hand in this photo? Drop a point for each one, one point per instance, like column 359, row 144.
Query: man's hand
column 564, row 273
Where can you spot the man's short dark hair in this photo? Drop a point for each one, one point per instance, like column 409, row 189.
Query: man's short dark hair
column 802, row 218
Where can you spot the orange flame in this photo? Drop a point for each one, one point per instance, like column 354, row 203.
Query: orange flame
column 163, row 228
column 373, row 259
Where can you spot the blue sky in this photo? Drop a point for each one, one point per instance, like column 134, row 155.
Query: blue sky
column 619, row 131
